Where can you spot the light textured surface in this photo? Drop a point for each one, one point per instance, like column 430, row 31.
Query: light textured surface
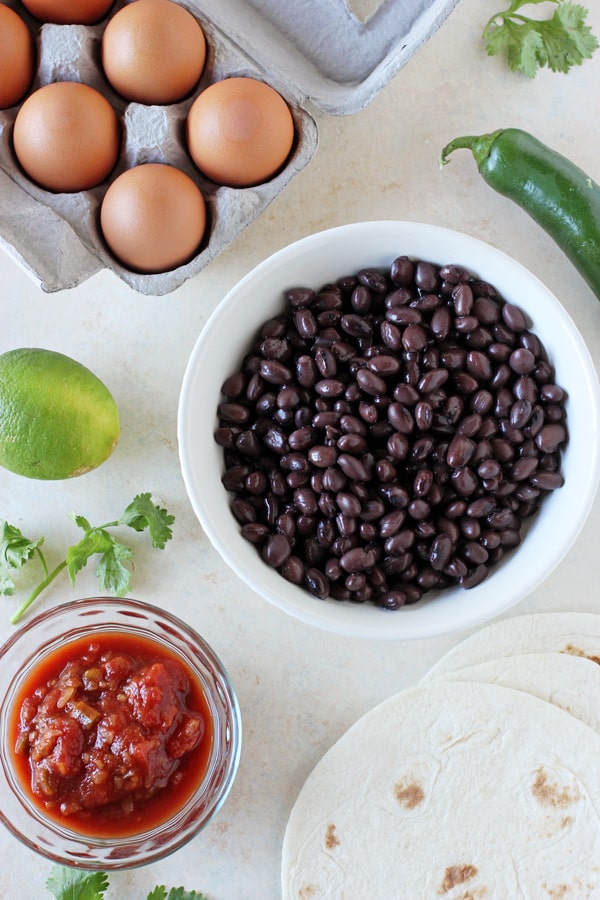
column 299, row 688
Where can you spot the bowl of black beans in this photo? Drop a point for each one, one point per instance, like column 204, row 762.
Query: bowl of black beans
column 390, row 430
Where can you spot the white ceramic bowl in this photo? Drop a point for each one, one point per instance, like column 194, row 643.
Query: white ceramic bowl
column 325, row 257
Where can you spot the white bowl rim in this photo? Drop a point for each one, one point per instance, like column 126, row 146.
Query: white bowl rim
column 434, row 616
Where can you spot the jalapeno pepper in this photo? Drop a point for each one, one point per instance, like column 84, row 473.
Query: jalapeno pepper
column 555, row 192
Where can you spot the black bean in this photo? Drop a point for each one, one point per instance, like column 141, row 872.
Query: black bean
column 441, row 552
column 479, row 365
column 243, row 511
column 460, row 451
column 480, row 507
column 414, row 337
column 470, row 426
column 423, row 415
column 550, row 437
column 426, row 302
column 402, row 271
column 374, row 279
column 299, row 296
column 353, row 468
column 317, row 583
column 391, row 335
column 475, row 577
column 233, row 387
column 403, row 315
column 547, row 481
column 226, row 436
column 551, row 393
column 426, row 276
column 482, row 401
column 524, row 468
column 256, row 483
column 433, row 381
column 462, row 296
column 293, row 570
column 441, row 322
column 522, row 361
column 464, row 481
column 398, row 297
column 486, row 310
column 330, row 387
column 514, row 317
column 401, row 418
column 323, row 456
column 392, row 599
column 456, row 568
column 255, row 532
column 384, row 365
column 235, row 413
column 370, row 383
column 352, row 443
column 473, row 552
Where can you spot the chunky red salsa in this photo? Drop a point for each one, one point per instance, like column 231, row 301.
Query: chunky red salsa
column 111, row 735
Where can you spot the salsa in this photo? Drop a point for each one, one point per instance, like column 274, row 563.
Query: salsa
column 111, row 735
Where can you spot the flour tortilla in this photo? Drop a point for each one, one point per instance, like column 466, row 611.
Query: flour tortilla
column 570, row 682
column 562, row 632
column 450, row 791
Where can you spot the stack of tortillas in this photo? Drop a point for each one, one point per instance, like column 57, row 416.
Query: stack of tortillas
column 482, row 782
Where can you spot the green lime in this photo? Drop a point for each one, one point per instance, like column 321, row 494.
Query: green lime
column 57, row 419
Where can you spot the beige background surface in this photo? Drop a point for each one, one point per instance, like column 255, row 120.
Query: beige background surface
column 299, row 689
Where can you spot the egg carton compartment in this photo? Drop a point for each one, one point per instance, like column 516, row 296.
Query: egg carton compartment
column 318, row 52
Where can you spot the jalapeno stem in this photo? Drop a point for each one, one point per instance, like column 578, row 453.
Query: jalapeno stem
column 479, row 145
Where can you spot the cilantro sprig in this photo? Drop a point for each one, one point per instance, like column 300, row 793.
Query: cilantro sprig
column 559, row 42
column 66, row 883
column 112, row 570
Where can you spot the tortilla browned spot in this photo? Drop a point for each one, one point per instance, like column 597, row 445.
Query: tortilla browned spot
column 550, row 794
column 307, row 892
column 409, row 795
column 577, row 651
column 331, row 838
column 456, row 875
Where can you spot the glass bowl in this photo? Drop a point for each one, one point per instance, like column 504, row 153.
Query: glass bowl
column 89, row 618
column 321, row 259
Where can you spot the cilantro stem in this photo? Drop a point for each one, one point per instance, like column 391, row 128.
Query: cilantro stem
column 42, row 559
column 38, row 590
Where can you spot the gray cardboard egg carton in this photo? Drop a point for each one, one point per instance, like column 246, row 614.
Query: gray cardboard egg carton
column 329, row 54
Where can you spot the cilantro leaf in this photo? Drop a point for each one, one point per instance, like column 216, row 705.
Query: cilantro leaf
column 112, row 571
column 143, row 513
column 65, row 883
column 15, row 551
column 559, row 42
column 81, row 522
column 178, row 893
column 113, row 576
column 96, row 540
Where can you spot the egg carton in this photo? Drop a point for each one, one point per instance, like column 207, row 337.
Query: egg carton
column 328, row 55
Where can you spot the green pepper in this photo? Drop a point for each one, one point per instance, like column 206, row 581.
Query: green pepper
column 555, row 192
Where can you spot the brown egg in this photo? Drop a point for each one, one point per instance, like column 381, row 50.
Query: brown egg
column 67, row 137
column 17, row 57
column 239, row 131
column 68, row 12
column 153, row 51
column 153, row 217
